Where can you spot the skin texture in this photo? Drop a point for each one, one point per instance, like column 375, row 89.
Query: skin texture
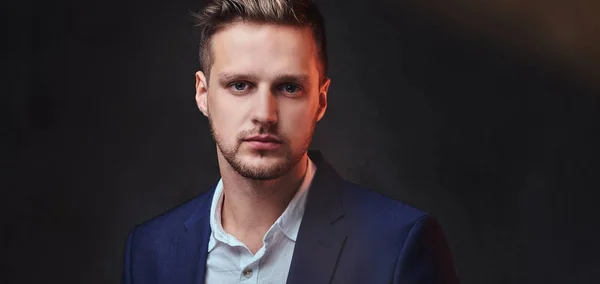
column 264, row 80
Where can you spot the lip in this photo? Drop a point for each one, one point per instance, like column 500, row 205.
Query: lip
column 265, row 138
column 263, row 142
column 261, row 145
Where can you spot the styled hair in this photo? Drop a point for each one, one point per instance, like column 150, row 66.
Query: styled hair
column 216, row 14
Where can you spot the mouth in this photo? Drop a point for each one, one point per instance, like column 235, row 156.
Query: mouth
column 263, row 142
column 267, row 138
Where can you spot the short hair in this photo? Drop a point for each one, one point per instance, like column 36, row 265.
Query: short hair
column 216, row 14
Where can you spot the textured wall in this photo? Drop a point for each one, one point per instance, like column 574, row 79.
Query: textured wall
column 455, row 108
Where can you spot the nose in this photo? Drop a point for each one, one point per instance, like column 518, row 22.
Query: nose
column 265, row 108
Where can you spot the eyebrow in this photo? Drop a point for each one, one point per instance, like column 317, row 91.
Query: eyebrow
column 225, row 78
column 299, row 78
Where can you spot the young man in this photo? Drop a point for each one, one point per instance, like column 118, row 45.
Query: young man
column 279, row 213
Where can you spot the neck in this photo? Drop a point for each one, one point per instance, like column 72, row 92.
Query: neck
column 250, row 207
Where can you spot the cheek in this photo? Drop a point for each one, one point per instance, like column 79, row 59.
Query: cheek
column 224, row 116
column 297, row 124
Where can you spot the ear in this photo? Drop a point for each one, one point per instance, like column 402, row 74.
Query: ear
column 323, row 99
column 202, row 93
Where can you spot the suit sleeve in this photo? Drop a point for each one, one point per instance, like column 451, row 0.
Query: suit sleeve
column 425, row 257
column 126, row 272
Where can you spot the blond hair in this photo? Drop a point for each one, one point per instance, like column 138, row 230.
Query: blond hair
column 216, row 14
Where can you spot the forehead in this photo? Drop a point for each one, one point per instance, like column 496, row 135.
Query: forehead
column 264, row 48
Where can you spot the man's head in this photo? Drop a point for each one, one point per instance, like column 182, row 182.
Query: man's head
column 263, row 84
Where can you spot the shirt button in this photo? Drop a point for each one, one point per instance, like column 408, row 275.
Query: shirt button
column 247, row 273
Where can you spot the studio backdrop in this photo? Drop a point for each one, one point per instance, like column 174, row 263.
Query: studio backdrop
column 486, row 115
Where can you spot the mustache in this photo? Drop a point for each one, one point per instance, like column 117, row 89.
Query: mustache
column 246, row 134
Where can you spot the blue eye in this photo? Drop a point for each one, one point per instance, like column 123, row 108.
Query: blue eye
column 291, row 88
column 239, row 86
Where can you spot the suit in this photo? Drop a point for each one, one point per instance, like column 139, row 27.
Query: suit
column 348, row 234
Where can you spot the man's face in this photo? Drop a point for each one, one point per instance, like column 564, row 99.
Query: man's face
column 263, row 97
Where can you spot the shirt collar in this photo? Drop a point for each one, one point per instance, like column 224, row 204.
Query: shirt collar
column 288, row 222
column 290, row 219
column 218, row 233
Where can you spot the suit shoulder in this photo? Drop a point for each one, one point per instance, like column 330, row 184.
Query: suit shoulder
column 176, row 216
column 376, row 208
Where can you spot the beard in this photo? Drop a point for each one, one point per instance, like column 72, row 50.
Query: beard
column 262, row 172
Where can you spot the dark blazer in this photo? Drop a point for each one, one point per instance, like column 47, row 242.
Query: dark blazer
column 348, row 235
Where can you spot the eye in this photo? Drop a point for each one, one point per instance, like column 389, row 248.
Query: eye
column 239, row 87
column 291, row 88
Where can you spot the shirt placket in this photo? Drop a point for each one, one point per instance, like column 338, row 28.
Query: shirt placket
column 250, row 264
column 250, row 267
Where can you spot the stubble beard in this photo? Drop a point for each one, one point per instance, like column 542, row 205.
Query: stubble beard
column 266, row 172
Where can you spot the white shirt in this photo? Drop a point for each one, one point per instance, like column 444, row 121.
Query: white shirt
column 230, row 261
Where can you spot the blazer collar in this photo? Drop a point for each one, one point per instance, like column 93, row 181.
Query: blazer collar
column 320, row 238
column 193, row 244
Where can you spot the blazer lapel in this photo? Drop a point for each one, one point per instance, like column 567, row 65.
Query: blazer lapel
column 192, row 245
column 321, row 236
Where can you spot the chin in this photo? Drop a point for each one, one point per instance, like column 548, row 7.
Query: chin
column 256, row 159
column 261, row 167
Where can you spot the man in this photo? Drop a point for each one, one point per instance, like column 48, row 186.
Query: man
column 279, row 213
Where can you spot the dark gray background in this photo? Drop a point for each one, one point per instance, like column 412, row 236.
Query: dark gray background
column 484, row 114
